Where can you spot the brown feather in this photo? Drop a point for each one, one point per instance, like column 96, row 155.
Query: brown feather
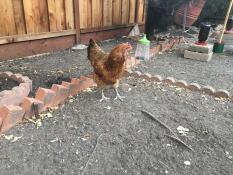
column 108, row 68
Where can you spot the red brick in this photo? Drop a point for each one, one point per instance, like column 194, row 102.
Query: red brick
column 28, row 103
column 46, row 96
column 181, row 83
column 169, row 80
column 8, row 98
column 88, row 83
column 71, row 86
column 157, row 78
column 20, row 94
column 1, row 119
column 61, row 94
column 6, row 74
column 91, row 75
column 83, row 78
column 16, row 77
column 11, row 115
column 208, row 90
column 163, row 47
column 27, row 80
column 221, row 93
column 75, row 80
column 27, row 88
column 194, row 87
column 155, row 50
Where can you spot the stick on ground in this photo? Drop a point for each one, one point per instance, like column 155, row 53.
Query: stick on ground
column 179, row 141
column 87, row 163
column 157, row 120
column 174, row 137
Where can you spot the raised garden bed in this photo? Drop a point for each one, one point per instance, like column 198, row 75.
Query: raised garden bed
column 14, row 89
column 7, row 84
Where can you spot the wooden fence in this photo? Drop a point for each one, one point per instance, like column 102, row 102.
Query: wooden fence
column 58, row 24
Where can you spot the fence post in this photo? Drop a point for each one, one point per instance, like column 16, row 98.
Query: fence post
column 77, row 20
column 136, row 11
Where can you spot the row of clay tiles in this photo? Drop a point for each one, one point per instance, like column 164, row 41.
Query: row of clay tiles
column 208, row 90
column 15, row 105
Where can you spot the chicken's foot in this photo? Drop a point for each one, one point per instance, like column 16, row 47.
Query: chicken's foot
column 103, row 96
column 118, row 95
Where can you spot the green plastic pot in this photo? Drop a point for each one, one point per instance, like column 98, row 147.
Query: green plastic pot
column 218, row 48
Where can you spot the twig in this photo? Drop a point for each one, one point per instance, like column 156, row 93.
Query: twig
column 164, row 164
column 179, row 141
column 174, row 137
column 97, row 142
column 157, row 120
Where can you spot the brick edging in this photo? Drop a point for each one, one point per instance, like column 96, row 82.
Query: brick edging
column 166, row 45
column 16, row 94
column 10, row 114
column 208, row 90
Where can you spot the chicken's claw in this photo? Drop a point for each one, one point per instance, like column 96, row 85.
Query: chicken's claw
column 118, row 96
column 103, row 97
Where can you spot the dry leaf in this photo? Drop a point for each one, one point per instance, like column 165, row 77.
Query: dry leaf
column 38, row 123
column 16, row 138
column 55, row 140
column 219, row 99
column 49, row 115
column 108, row 107
column 8, row 137
column 179, row 89
column 71, row 100
column 87, row 90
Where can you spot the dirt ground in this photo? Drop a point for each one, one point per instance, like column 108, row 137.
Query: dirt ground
column 7, row 84
column 87, row 137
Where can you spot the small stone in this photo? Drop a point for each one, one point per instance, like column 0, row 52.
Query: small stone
column 181, row 83
column 208, row 90
column 79, row 47
column 188, row 163
column 221, row 93
column 169, row 80
column 157, row 78
column 194, row 87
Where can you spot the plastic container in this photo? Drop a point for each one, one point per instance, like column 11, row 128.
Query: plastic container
column 204, row 32
column 143, row 49
column 218, row 48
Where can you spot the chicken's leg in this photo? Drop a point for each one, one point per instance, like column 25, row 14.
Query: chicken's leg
column 103, row 96
column 118, row 95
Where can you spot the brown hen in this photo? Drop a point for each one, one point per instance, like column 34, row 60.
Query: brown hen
column 108, row 68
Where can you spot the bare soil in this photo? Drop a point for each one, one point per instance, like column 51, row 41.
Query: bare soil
column 85, row 136
column 7, row 84
column 88, row 137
